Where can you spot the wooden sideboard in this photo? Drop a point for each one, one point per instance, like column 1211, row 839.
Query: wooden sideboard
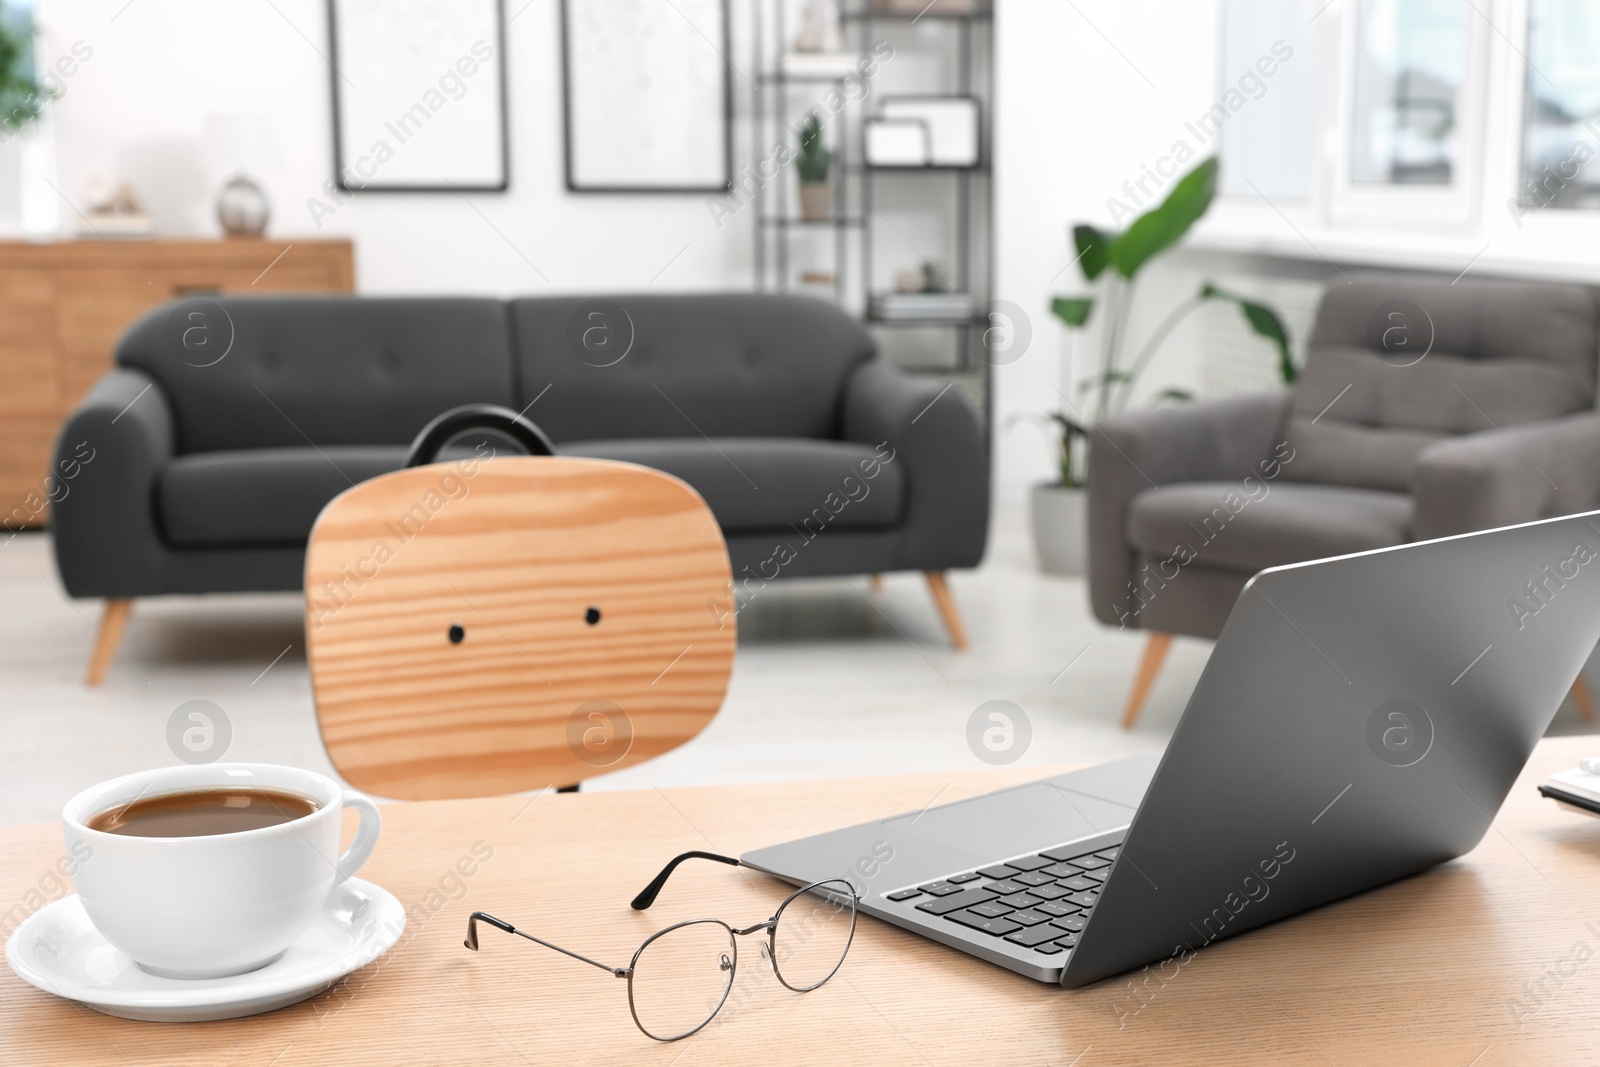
column 63, row 304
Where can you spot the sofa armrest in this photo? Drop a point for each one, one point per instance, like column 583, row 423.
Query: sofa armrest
column 1497, row 478
column 935, row 433
column 115, row 445
column 1211, row 440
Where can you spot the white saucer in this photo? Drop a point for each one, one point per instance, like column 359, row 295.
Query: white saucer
column 58, row 950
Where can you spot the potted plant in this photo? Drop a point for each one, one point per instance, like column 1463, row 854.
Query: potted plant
column 813, row 164
column 1059, row 507
column 21, row 100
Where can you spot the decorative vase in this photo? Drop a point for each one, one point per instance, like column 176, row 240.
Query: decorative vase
column 242, row 208
column 819, row 28
column 1059, row 516
column 816, row 201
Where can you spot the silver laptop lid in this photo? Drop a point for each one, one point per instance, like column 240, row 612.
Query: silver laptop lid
column 1360, row 719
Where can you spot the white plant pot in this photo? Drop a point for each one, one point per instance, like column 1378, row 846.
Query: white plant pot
column 1060, row 528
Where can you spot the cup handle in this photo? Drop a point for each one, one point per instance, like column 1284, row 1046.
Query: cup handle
column 366, row 835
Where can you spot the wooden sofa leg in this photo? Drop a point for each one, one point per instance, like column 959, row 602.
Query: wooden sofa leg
column 877, row 583
column 1580, row 696
column 1155, row 651
column 948, row 611
column 108, row 636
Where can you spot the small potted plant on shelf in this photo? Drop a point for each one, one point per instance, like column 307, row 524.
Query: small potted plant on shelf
column 813, row 164
column 1059, row 508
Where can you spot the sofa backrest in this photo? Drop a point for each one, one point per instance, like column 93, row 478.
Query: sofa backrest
column 275, row 371
column 678, row 365
column 1394, row 365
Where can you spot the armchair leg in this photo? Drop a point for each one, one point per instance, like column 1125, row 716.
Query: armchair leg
column 946, row 602
column 108, row 636
column 1580, row 696
column 1155, row 651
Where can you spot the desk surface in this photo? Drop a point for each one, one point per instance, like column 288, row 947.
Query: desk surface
column 1487, row 960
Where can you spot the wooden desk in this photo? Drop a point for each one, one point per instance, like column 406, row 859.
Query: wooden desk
column 64, row 304
column 1422, row 972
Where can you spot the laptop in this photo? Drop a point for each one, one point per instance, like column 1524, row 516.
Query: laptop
column 1360, row 720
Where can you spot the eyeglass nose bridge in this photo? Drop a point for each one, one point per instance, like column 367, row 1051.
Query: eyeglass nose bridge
column 768, row 926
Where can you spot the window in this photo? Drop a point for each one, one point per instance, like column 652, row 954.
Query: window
column 1561, row 107
column 1409, row 64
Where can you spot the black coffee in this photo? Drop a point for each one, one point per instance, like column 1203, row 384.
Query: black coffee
column 203, row 812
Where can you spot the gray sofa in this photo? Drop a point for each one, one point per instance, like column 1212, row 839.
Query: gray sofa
column 1478, row 413
column 208, row 472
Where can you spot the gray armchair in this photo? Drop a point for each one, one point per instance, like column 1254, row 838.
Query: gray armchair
column 1424, row 409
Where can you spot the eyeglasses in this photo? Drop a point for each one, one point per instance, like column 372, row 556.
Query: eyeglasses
column 681, row 976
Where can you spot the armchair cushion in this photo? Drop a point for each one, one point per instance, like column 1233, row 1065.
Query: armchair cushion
column 1483, row 480
column 1382, row 383
column 1217, row 439
column 1224, row 524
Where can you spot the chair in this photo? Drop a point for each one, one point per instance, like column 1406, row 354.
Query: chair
column 498, row 625
column 1424, row 409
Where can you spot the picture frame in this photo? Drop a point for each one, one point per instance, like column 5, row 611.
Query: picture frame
column 896, row 142
column 954, row 123
column 632, row 106
column 419, row 95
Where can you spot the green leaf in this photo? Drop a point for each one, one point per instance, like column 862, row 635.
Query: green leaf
column 1116, row 377
column 1162, row 227
column 1072, row 310
column 1093, row 248
column 1264, row 321
column 1174, row 394
column 1069, row 427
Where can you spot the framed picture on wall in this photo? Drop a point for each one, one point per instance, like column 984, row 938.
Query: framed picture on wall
column 419, row 95
column 649, row 105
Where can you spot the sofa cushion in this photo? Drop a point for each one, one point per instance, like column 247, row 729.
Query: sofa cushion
column 260, row 496
column 323, row 370
column 771, row 484
column 1395, row 365
column 1216, row 524
column 720, row 364
column 272, row 496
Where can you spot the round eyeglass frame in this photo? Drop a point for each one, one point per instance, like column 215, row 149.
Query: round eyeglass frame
column 844, row 890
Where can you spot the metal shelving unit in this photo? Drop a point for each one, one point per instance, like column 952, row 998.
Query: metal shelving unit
column 862, row 192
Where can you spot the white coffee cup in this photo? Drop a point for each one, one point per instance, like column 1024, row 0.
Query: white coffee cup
column 221, row 904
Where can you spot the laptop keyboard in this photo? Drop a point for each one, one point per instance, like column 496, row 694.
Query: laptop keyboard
column 1041, row 902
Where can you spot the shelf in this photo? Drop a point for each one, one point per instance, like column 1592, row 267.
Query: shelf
column 780, row 78
column 878, row 168
column 930, row 12
column 785, row 223
column 925, row 323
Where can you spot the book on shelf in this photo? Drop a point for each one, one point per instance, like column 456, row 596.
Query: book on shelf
column 952, row 306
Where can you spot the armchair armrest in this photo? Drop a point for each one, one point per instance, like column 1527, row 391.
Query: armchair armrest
column 1497, row 478
column 1216, row 439
column 103, row 524
column 935, row 434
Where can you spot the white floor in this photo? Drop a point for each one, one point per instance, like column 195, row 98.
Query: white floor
column 831, row 680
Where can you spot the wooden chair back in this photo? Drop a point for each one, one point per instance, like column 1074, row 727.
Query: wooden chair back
column 498, row 625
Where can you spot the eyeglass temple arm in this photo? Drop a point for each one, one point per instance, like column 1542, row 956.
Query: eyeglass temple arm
column 647, row 896
column 500, row 924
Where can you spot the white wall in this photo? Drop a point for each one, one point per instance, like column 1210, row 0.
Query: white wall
column 1087, row 94
column 137, row 107
column 1075, row 120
